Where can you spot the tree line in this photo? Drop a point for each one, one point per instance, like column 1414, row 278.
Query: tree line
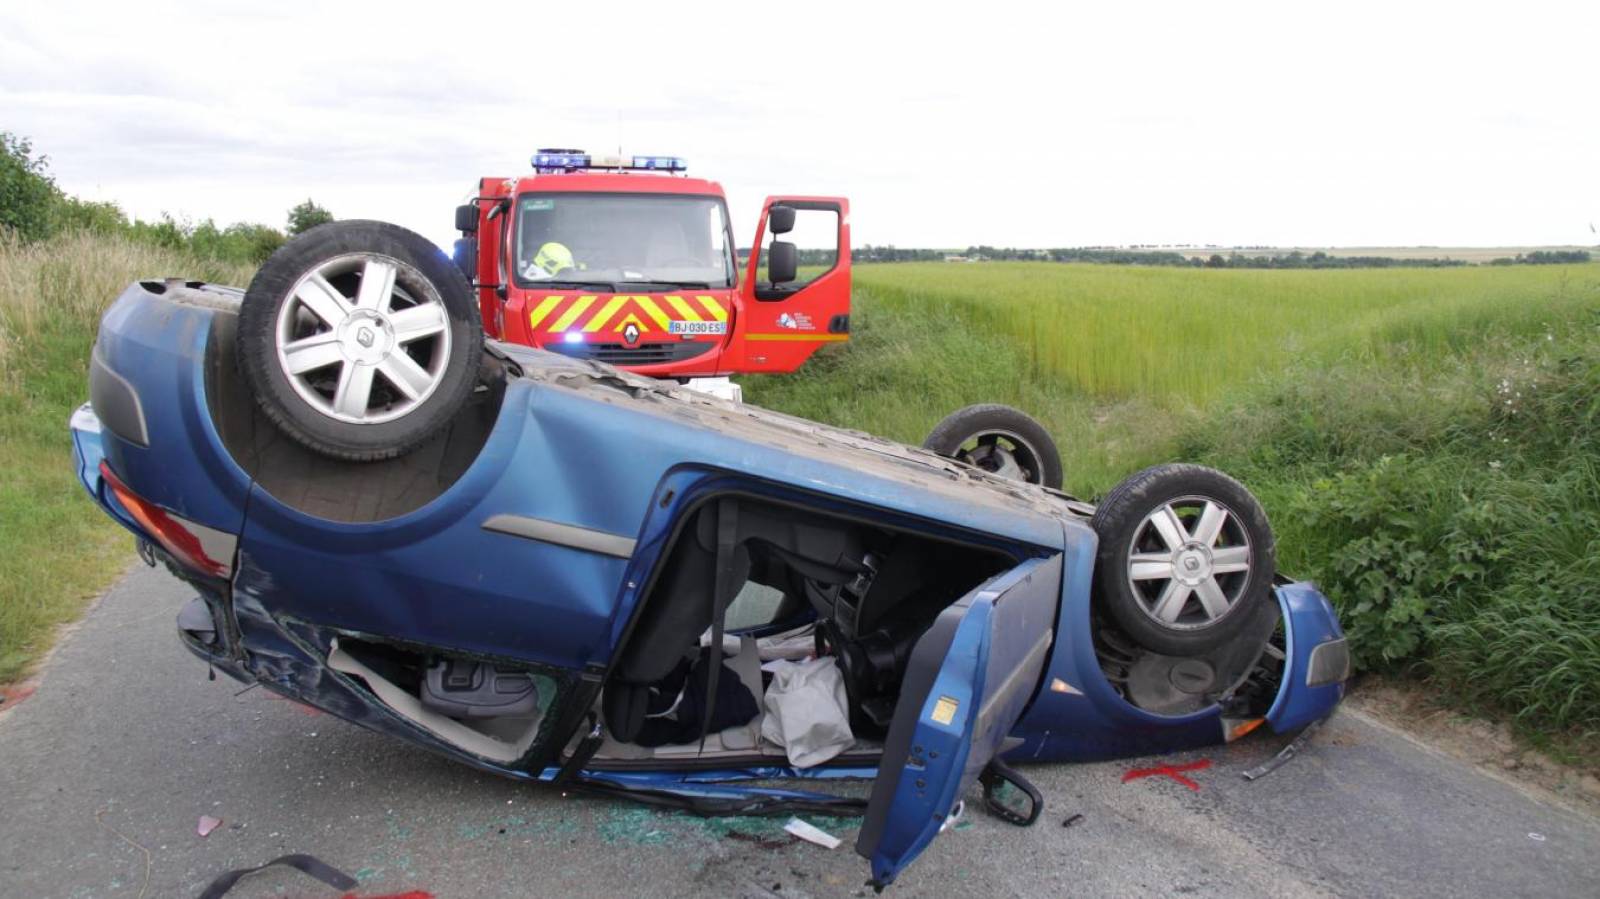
column 1119, row 256
column 1543, row 257
column 33, row 207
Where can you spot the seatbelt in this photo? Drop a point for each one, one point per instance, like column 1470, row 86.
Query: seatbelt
column 583, row 752
column 723, row 588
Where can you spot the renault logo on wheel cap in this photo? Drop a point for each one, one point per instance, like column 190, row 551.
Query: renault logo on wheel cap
column 365, row 337
column 630, row 334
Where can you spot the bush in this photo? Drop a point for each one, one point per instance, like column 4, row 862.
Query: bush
column 242, row 242
column 73, row 214
column 306, row 216
column 1451, row 514
column 28, row 195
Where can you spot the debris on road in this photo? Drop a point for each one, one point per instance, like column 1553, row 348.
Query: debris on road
column 207, row 825
column 308, row 865
column 1173, row 771
column 812, row 834
column 1284, row 755
column 759, row 841
column 1072, row 820
column 100, row 819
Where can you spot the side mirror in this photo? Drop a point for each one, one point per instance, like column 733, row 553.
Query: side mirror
column 783, row 261
column 780, row 219
column 467, row 218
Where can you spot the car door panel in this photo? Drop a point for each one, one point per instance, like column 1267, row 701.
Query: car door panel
column 970, row 678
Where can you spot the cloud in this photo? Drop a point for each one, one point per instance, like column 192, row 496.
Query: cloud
column 1005, row 124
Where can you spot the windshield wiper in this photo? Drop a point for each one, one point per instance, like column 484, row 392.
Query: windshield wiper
column 701, row 285
column 597, row 286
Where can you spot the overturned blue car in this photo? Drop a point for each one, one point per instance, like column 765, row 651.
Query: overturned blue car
column 547, row 568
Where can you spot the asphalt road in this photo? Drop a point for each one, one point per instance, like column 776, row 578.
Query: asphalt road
column 126, row 744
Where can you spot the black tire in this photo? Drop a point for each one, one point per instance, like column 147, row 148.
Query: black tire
column 1125, row 522
column 1032, row 448
column 435, row 351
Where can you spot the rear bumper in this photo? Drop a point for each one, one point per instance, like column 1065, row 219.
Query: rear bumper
column 87, row 453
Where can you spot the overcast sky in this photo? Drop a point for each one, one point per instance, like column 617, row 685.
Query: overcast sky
column 1343, row 124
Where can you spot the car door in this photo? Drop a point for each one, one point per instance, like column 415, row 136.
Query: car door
column 784, row 320
column 968, row 681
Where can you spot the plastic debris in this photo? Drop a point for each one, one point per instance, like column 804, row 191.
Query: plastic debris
column 812, row 834
column 207, row 825
column 1288, row 752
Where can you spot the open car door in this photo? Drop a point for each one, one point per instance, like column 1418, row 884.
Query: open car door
column 968, row 681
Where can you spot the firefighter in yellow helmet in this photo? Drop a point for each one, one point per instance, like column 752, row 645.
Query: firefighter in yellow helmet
column 552, row 259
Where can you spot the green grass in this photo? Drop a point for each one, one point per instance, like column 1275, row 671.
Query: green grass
column 57, row 550
column 1425, row 440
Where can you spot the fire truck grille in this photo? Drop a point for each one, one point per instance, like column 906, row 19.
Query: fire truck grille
column 644, row 354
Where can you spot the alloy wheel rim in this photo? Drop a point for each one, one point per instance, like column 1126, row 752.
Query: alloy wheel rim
column 1189, row 562
column 363, row 338
column 1002, row 453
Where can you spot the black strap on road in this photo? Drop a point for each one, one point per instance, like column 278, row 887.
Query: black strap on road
column 723, row 588
column 305, row 864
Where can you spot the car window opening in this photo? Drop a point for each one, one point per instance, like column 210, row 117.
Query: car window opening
column 823, row 609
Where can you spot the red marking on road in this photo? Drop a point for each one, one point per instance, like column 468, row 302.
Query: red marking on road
column 414, row 894
column 14, row 694
column 1172, row 771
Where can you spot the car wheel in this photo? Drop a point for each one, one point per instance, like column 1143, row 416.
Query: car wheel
column 1001, row 440
column 1186, row 557
column 359, row 339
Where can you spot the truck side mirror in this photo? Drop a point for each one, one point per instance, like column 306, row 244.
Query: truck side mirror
column 780, row 219
column 467, row 218
column 782, row 261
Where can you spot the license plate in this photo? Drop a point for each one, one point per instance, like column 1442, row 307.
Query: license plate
column 688, row 327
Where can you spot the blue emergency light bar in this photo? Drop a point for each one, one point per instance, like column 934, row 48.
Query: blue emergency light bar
column 555, row 162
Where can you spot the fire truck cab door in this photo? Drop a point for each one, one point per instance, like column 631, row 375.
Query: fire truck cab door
column 787, row 315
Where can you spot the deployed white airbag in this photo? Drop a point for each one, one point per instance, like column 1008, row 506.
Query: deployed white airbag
column 807, row 712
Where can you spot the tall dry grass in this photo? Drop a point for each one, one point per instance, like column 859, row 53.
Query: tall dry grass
column 56, row 548
column 68, row 280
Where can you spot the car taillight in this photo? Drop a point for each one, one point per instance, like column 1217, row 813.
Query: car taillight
column 179, row 537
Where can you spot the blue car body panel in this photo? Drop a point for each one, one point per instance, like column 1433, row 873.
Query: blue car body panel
column 598, row 452
column 160, row 348
column 1313, row 624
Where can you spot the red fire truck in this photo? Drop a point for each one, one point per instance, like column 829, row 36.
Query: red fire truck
column 628, row 261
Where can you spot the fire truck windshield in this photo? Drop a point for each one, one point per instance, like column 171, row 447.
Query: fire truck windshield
column 610, row 240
